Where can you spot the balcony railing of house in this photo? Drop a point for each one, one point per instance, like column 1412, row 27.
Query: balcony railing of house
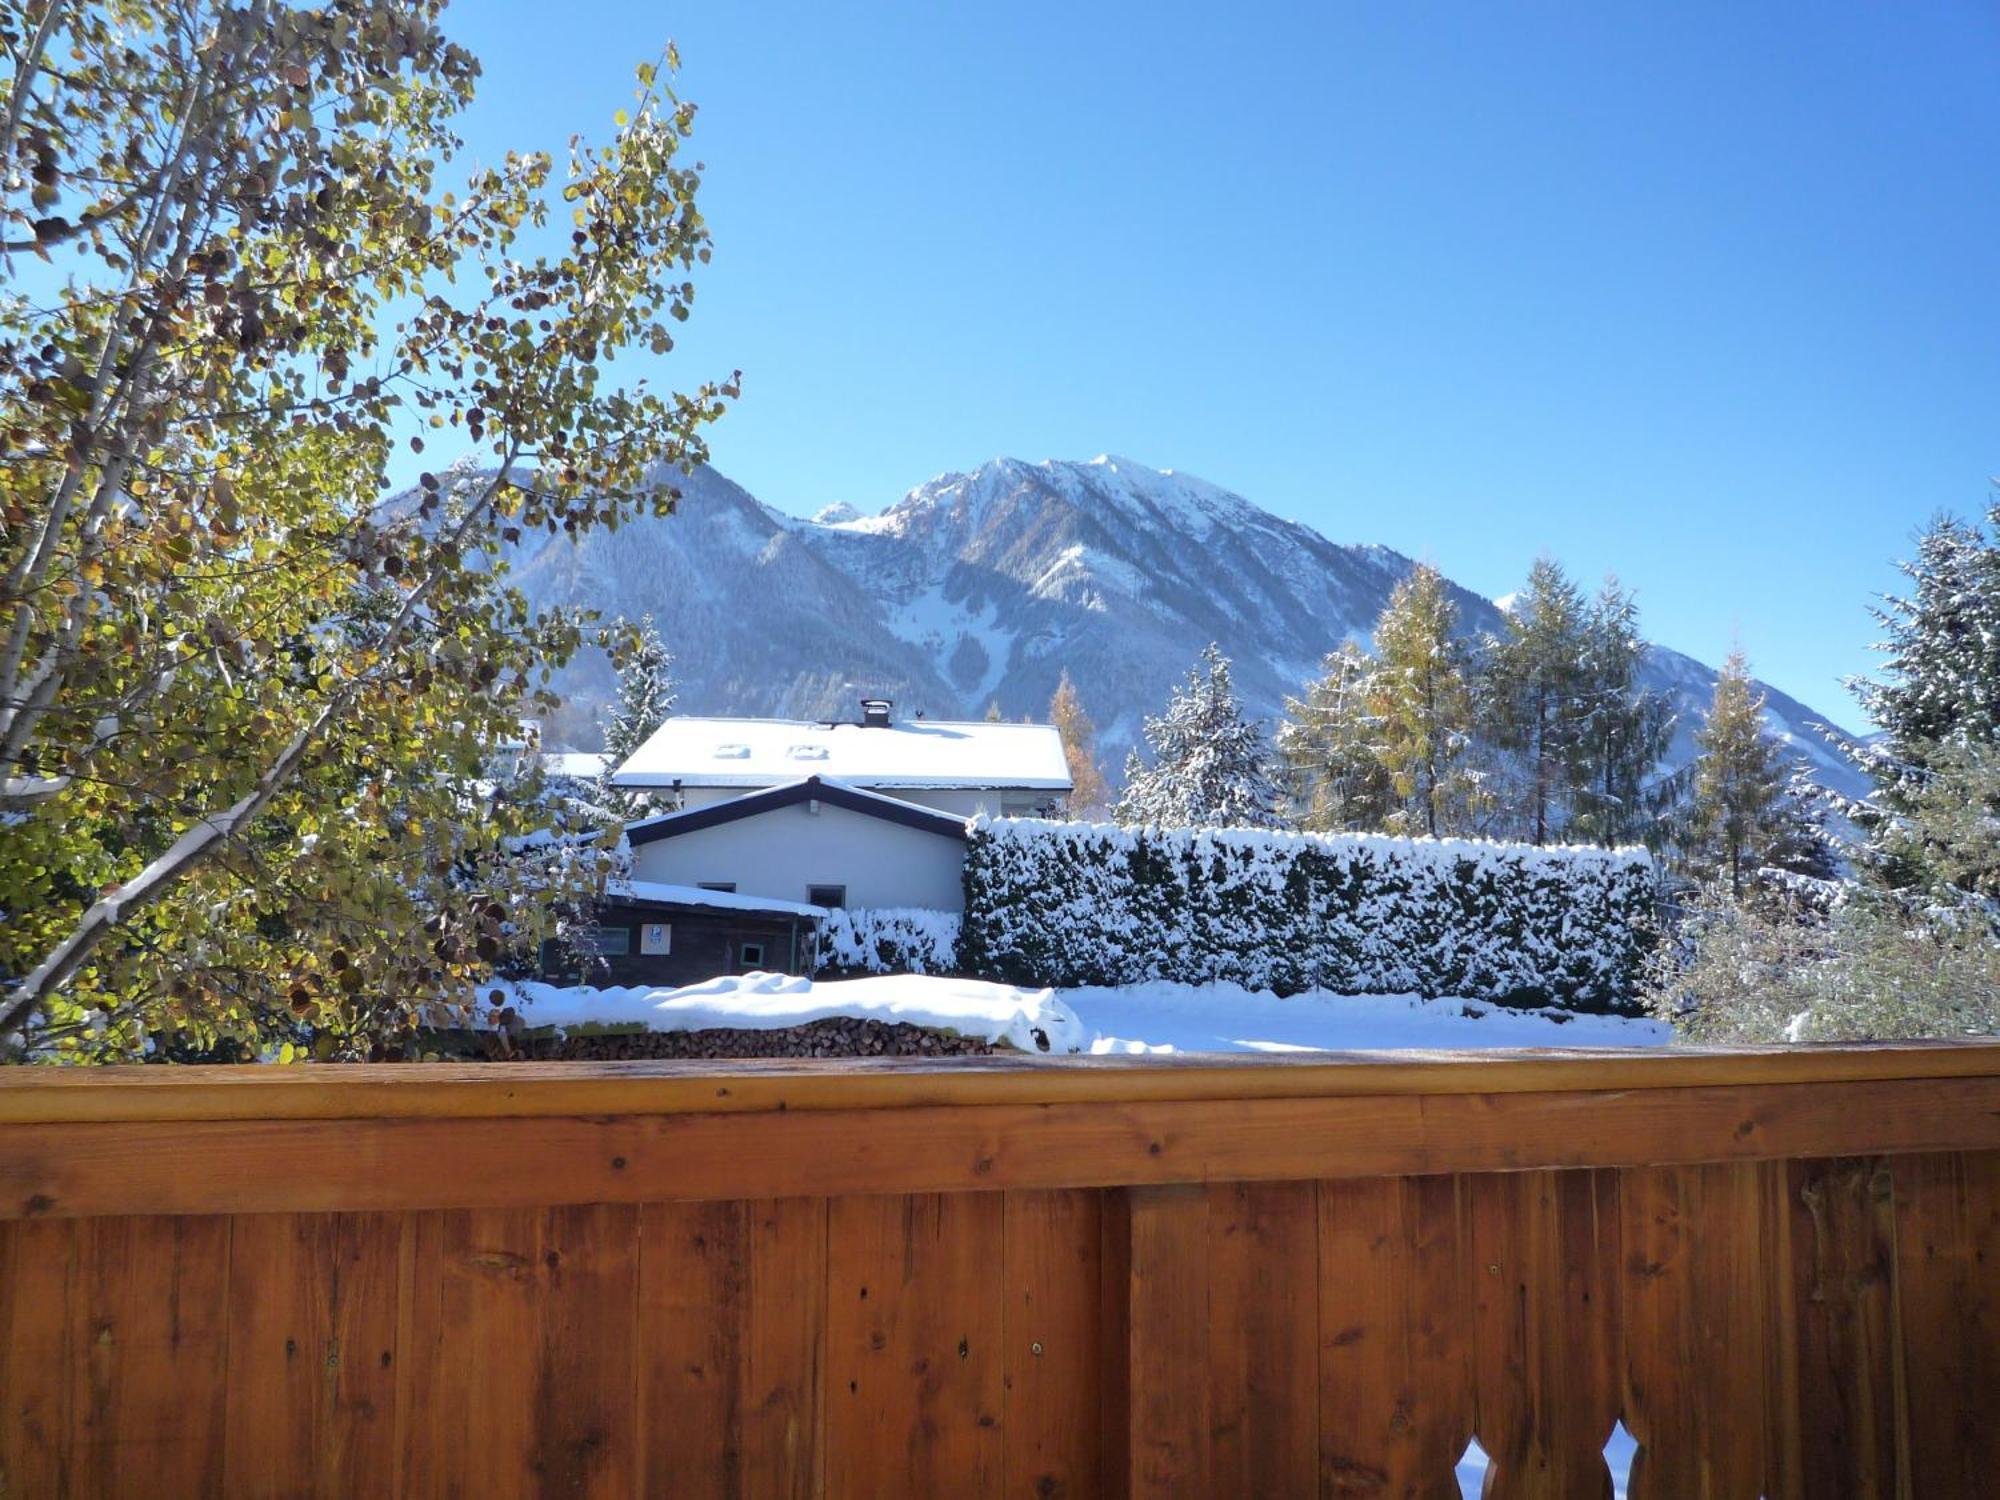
column 1780, row 1270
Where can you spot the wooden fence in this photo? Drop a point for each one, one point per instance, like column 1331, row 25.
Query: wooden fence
column 997, row 1277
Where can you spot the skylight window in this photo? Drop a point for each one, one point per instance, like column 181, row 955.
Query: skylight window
column 732, row 752
column 807, row 752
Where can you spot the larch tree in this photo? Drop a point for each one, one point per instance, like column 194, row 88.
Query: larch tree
column 1211, row 765
column 246, row 702
column 1740, row 779
column 1537, row 688
column 1090, row 793
column 1327, row 749
column 1420, row 704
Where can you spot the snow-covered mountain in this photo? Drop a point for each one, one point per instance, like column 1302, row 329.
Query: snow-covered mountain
column 983, row 587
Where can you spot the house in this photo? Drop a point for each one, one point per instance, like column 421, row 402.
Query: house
column 774, row 821
column 962, row 768
column 648, row 933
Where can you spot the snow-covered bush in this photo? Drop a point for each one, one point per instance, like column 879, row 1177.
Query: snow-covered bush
column 889, row 940
column 1789, row 965
column 1076, row 903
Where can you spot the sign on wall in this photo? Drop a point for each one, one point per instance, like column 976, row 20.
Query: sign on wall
column 656, row 937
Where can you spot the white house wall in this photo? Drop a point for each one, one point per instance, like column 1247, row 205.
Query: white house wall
column 781, row 852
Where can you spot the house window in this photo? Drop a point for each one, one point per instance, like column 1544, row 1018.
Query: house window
column 826, row 895
column 752, row 955
column 727, row 887
column 604, row 942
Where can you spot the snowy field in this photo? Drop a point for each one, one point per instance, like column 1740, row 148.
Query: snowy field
column 1159, row 1017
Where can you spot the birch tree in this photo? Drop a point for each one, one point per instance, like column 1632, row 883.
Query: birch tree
column 244, row 699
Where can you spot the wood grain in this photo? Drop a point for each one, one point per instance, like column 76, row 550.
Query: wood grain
column 338, row 1091
column 1848, row 1373
column 318, row 1166
column 1168, row 1332
column 1696, row 1307
column 1788, row 1288
column 1948, row 1282
column 1263, row 1366
column 1054, row 1354
column 1395, row 1382
column 1546, row 1335
column 914, row 1356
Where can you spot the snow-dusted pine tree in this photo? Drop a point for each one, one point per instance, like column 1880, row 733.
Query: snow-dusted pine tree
column 1326, row 749
column 1937, row 766
column 1420, row 709
column 1211, row 766
column 646, row 695
column 1941, row 674
column 1537, row 691
column 1624, row 731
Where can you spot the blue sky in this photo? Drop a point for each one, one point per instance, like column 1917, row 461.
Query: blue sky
column 1702, row 294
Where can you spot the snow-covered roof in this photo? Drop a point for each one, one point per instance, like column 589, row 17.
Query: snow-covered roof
column 909, row 753
column 585, row 765
column 695, row 895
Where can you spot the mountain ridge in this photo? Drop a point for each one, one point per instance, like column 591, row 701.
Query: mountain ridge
column 982, row 586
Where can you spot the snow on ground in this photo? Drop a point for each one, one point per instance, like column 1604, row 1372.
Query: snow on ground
column 771, row 1002
column 1158, row 1017
column 1166, row 1017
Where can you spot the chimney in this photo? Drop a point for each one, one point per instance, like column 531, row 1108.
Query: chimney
column 875, row 713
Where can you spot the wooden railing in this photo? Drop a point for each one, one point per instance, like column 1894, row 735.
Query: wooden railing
column 1780, row 1270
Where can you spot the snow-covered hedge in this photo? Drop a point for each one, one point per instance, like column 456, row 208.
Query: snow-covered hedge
column 1063, row 904
column 889, row 940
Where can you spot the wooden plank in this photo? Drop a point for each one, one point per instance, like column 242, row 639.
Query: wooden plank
column 308, row 1166
column 1263, row 1302
column 1696, row 1308
column 482, row 1090
column 1168, row 1333
column 587, row 1375
column 429, row 1389
column 731, row 1319
column 1114, row 1332
column 1848, row 1374
column 116, row 1367
column 914, row 1355
column 1395, row 1384
column 1052, row 1256
column 1948, row 1288
column 537, row 1355
column 312, row 1328
column 39, row 1369
column 1546, row 1357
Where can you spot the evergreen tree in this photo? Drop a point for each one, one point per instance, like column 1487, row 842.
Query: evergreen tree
column 1211, row 766
column 1089, row 793
column 1326, row 747
column 1740, row 778
column 1624, row 733
column 1538, row 696
column 646, row 695
column 1800, row 842
column 1420, row 704
column 1937, row 768
column 1942, row 672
